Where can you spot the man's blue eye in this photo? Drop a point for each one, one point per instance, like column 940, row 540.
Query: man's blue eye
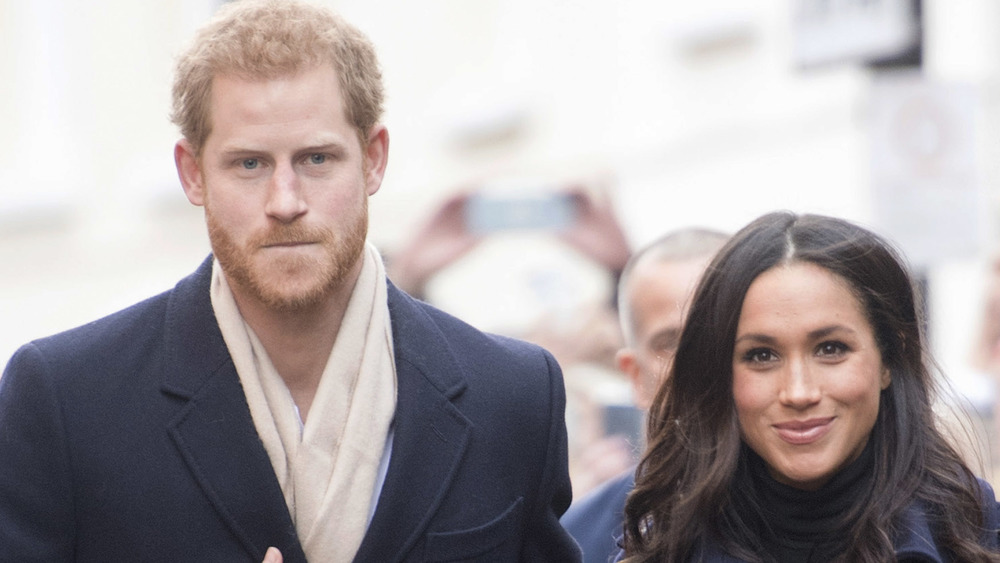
column 250, row 163
column 317, row 158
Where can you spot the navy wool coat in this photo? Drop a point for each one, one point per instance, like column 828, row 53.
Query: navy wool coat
column 130, row 439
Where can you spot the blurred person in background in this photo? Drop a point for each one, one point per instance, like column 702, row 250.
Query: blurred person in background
column 986, row 352
column 986, row 360
column 550, row 218
column 446, row 235
column 285, row 400
column 798, row 422
column 653, row 293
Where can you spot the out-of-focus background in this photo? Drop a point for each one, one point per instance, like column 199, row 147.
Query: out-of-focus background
column 653, row 114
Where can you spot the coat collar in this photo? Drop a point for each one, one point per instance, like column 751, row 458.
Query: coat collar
column 194, row 348
column 431, row 434
column 916, row 539
column 216, row 437
column 214, row 432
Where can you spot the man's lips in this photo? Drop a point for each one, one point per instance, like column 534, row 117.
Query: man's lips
column 800, row 432
column 288, row 244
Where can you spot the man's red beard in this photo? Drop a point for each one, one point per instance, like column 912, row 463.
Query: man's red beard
column 272, row 282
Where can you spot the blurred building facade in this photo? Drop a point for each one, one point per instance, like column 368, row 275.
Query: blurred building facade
column 695, row 113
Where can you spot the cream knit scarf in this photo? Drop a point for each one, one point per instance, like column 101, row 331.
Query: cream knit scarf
column 329, row 468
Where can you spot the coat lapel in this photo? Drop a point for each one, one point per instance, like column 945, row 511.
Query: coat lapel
column 916, row 539
column 430, row 434
column 214, row 432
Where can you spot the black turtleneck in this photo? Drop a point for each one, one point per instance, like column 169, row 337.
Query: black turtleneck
column 810, row 526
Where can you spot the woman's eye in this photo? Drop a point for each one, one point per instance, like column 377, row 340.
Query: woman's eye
column 831, row 349
column 317, row 158
column 250, row 163
column 758, row 355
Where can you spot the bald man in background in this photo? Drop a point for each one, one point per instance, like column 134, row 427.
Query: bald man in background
column 653, row 292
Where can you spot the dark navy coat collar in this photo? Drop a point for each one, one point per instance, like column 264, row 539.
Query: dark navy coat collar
column 916, row 539
column 430, row 433
column 214, row 431
column 216, row 436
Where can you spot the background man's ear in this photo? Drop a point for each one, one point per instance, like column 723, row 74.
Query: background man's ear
column 628, row 364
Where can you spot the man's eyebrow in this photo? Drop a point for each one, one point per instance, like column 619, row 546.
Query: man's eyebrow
column 320, row 145
column 331, row 146
column 668, row 335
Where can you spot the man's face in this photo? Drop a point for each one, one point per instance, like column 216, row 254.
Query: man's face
column 285, row 183
column 660, row 292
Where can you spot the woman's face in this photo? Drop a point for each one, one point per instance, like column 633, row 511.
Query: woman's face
column 807, row 373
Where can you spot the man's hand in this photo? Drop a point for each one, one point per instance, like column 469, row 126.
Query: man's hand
column 272, row 556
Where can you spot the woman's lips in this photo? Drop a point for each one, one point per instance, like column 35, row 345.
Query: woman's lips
column 800, row 432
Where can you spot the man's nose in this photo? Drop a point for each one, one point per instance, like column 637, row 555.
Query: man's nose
column 285, row 200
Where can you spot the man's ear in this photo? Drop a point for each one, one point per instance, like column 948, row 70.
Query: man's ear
column 189, row 172
column 628, row 364
column 376, row 157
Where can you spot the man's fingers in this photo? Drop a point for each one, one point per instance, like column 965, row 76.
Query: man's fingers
column 272, row 556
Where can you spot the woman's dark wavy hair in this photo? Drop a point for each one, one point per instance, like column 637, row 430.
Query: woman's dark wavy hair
column 691, row 485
